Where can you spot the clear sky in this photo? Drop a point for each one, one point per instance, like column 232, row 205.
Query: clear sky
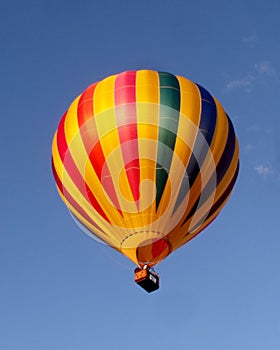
column 61, row 290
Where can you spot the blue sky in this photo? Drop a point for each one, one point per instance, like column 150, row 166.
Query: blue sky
column 61, row 290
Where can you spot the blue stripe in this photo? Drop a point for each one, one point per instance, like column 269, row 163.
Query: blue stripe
column 207, row 127
column 208, row 115
column 228, row 153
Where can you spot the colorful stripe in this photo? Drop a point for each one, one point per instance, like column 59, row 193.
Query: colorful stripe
column 145, row 161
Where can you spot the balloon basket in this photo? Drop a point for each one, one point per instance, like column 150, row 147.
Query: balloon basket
column 147, row 279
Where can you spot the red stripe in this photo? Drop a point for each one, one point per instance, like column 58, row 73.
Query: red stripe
column 90, row 137
column 97, row 159
column 125, row 98
column 71, row 200
column 73, row 171
column 85, row 106
column 158, row 247
column 125, row 88
column 98, row 162
column 62, row 144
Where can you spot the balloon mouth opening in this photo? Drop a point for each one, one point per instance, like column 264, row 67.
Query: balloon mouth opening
column 141, row 238
column 151, row 247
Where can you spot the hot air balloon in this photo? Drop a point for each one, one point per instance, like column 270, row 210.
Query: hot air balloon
column 145, row 160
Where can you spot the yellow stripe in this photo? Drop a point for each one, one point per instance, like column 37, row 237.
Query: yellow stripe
column 104, row 95
column 147, row 86
column 55, row 154
column 130, row 253
column 190, row 101
column 221, row 131
column 147, row 97
column 71, row 127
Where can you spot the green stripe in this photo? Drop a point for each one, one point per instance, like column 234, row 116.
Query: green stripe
column 170, row 99
column 169, row 90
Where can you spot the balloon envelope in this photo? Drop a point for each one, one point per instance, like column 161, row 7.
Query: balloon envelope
column 144, row 161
